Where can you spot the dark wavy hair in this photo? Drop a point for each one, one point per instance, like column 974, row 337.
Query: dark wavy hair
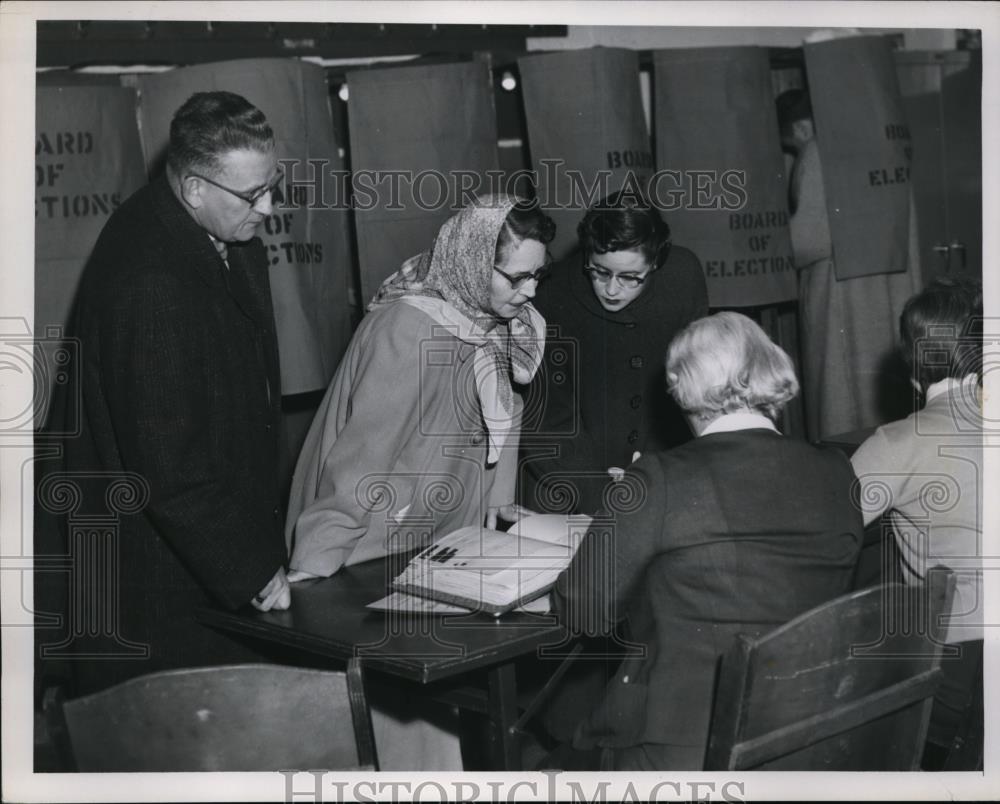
column 525, row 221
column 210, row 124
column 623, row 221
column 942, row 331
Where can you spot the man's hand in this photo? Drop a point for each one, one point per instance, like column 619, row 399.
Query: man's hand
column 510, row 512
column 276, row 595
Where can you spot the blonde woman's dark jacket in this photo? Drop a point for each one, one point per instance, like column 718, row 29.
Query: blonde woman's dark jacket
column 733, row 532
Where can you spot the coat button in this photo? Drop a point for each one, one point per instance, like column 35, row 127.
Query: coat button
column 276, row 511
column 635, row 362
column 477, row 438
column 633, row 436
column 267, row 427
column 635, row 401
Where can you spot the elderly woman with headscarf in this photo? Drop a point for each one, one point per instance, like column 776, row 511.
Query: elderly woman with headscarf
column 418, row 432
column 736, row 531
column 420, row 424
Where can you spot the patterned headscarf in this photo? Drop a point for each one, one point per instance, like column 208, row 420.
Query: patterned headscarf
column 451, row 283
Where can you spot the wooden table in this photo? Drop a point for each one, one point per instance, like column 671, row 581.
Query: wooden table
column 442, row 653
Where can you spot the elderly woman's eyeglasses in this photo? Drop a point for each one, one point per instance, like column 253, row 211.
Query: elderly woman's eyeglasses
column 273, row 187
column 519, row 279
column 603, row 276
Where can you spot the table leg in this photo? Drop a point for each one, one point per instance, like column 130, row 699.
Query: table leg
column 504, row 744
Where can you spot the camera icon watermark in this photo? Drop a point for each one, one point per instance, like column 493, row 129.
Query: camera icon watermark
column 551, row 401
column 446, row 362
column 47, row 360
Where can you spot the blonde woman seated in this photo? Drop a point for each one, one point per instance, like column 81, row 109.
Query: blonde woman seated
column 736, row 531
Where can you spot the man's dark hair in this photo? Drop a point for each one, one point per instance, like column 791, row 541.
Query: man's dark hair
column 793, row 105
column 942, row 331
column 624, row 221
column 210, row 124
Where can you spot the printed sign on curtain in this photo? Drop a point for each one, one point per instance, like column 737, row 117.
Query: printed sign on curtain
column 423, row 144
column 721, row 176
column 307, row 236
column 865, row 149
column 586, row 131
column 87, row 162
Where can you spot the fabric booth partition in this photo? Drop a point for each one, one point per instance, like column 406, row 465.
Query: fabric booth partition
column 586, row 131
column 423, row 142
column 307, row 237
column 865, row 147
column 721, row 175
column 87, row 161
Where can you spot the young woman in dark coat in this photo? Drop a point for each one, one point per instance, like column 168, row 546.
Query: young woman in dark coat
column 611, row 308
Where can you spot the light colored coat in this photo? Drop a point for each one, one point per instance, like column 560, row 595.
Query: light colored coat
column 927, row 471
column 397, row 451
column 849, row 327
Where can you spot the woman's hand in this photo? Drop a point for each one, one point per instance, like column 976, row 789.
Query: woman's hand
column 276, row 595
column 510, row 512
column 299, row 575
column 617, row 474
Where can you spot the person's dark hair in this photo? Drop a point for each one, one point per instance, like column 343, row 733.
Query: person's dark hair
column 622, row 222
column 793, row 105
column 210, row 124
column 942, row 331
column 525, row 221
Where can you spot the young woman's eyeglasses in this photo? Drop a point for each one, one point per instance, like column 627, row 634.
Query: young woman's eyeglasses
column 251, row 198
column 604, row 277
column 517, row 280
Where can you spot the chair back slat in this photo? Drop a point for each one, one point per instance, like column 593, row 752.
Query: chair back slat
column 819, row 727
column 233, row 718
column 845, row 686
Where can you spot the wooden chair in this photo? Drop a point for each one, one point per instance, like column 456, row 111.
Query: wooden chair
column 252, row 717
column 846, row 686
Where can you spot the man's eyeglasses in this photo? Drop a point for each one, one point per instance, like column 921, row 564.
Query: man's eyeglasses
column 251, row 198
column 627, row 281
column 519, row 279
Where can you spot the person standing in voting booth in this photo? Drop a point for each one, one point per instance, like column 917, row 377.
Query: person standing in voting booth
column 179, row 379
column 736, row 531
column 847, row 328
column 612, row 308
column 926, row 471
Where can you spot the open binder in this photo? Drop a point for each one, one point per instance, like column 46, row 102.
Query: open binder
column 477, row 569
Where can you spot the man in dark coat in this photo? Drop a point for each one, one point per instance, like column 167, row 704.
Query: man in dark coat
column 611, row 309
column 177, row 443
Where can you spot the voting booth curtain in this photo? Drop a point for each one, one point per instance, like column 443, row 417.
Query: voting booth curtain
column 865, row 149
column 307, row 237
column 722, row 175
column 422, row 141
column 87, row 161
column 586, row 131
